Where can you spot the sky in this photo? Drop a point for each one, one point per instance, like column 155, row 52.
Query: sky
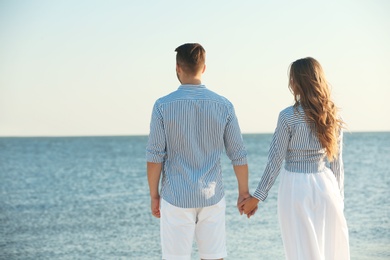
column 91, row 68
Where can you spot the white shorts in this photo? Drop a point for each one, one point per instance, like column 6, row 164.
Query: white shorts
column 179, row 226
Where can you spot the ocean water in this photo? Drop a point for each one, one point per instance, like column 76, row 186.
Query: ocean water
column 87, row 198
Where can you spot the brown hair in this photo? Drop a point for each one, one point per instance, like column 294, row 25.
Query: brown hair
column 190, row 57
column 311, row 90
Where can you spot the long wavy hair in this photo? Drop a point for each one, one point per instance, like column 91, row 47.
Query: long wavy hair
column 308, row 84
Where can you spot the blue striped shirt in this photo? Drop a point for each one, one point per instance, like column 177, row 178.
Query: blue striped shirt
column 190, row 129
column 298, row 146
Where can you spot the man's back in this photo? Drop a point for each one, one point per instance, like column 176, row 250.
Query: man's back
column 193, row 125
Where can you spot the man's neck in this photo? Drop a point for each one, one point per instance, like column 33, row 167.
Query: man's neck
column 191, row 81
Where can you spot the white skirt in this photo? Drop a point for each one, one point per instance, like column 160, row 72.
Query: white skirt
column 311, row 217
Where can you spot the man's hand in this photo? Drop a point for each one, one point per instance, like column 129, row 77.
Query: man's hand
column 155, row 207
column 240, row 200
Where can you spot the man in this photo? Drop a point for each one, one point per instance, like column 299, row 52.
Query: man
column 190, row 129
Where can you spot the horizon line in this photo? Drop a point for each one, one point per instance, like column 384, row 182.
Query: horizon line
column 145, row 135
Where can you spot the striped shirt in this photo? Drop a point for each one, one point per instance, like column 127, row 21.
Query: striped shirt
column 190, row 129
column 295, row 143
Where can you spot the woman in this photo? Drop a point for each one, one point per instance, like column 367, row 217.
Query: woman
column 308, row 137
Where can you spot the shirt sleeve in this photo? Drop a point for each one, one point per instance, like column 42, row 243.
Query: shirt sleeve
column 337, row 165
column 276, row 156
column 156, row 147
column 234, row 143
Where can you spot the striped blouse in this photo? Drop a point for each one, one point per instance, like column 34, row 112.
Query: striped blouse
column 190, row 129
column 294, row 143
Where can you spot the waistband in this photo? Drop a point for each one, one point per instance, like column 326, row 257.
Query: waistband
column 305, row 167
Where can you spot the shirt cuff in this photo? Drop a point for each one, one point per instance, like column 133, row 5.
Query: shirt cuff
column 155, row 158
column 241, row 161
column 260, row 195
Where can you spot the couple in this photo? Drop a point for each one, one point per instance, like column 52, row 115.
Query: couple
column 190, row 129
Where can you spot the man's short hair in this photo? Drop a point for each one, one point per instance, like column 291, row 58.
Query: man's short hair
column 190, row 57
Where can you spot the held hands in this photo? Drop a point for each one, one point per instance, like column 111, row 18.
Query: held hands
column 248, row 206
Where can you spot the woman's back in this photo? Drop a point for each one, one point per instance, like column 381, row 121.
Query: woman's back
column 305, row 153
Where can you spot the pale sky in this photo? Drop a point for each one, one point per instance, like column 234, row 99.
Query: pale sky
column 96, row 67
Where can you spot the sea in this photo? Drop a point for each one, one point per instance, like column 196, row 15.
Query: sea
column 88, row 198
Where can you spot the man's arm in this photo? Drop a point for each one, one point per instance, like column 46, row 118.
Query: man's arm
column 154, row 173
column 241, row 172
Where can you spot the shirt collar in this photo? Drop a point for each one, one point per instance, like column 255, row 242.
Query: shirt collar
column 192, row 86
